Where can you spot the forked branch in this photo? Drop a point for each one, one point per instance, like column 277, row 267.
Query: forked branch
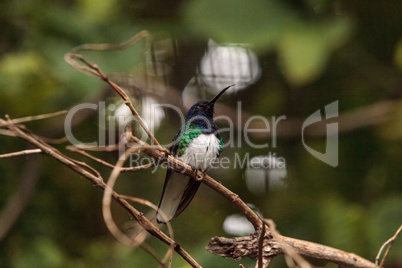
column 98, row 181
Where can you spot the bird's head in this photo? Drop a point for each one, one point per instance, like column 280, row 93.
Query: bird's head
column 204, row 108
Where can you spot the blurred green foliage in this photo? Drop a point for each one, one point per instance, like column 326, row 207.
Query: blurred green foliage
column 304, row 45
column 311, row 52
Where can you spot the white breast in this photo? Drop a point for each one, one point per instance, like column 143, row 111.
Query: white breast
column 201, row 151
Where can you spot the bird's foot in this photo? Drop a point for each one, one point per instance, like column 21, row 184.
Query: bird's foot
column 201, row 176
column 198, row 173
column 194, row 169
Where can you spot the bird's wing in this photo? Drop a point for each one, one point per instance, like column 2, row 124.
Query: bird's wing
column 175, row 143
column 189, row 193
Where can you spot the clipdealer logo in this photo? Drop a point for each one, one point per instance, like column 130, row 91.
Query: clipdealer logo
column 107, row 128
column 331, row 155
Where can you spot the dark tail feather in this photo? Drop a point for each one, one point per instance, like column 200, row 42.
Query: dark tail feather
column 188, row 195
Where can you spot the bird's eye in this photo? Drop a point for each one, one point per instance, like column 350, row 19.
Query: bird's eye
column 196, row 108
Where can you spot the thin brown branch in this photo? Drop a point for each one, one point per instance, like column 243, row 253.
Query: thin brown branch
column 88, row 167
column 24, row 152
column 107, row 164
column 54, row 140
column 125, row 98
column 53, row 152
column 390, row 242
column 154, row 207
column 322, row 252
column 107, row 148
column 31, row 118
column 72, row 58
column 132, row 41
column 6, row 132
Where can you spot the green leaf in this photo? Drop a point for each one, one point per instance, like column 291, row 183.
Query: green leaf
column 398, row 55
column 303, row 56
column 21, row 63
column 342, row 224
column 42, row 252
column 304, row 52
column 98, row 11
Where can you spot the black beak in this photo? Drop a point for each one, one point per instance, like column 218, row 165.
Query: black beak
column 212, row 102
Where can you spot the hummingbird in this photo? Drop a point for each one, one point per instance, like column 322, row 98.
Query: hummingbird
column 197, row 144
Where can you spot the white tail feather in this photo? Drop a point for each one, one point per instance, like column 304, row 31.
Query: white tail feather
column 172, row 196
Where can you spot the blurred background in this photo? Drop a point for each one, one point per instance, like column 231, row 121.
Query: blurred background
column 289, row 58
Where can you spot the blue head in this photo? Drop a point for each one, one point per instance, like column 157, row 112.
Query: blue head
column 205, row 108
column 201, row 108
column 202, row 112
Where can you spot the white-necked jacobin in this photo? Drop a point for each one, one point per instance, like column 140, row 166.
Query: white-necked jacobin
column 197, row 144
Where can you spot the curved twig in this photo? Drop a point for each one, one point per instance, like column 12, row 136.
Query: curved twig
column 72, row 58
column 31, row 118
column 132, row 41
column 390, row 242
column 122, row 169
